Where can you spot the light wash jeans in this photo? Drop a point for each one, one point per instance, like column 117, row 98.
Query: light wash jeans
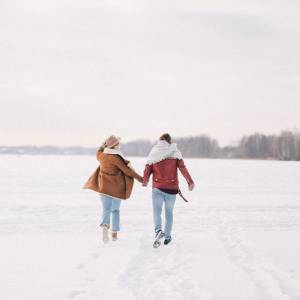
column 158, row 199
column 111, row 207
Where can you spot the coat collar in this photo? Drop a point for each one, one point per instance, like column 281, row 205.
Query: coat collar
column 114, row 151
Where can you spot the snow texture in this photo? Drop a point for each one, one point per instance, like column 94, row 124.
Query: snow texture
column 237, row 238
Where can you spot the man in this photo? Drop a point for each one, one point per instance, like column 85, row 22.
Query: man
column 163, row 162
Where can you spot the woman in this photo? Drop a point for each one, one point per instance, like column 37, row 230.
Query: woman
column 163, row 162
column 113, row 179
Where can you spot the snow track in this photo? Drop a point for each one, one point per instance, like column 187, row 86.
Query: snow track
column 162, row 273
column 237, row 239
column 271, row 282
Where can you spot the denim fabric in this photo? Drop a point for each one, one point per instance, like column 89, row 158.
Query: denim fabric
column 158, row 199
column 111, row 208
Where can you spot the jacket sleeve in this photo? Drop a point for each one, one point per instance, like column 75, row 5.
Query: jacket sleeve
column 127, row 171
column 185, row 172
column 147, row 172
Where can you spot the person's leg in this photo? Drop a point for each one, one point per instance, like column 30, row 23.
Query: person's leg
column 157, row 203
column 116, row 203
column 169, row 200
column 106, row 210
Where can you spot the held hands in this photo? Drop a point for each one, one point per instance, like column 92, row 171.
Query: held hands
column 144, row 183
column 191, row 186
column 140, row 179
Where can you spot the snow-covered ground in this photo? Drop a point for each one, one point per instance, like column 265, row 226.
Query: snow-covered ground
column 238, row 237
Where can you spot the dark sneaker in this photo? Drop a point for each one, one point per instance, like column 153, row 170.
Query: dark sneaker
column 167, row 240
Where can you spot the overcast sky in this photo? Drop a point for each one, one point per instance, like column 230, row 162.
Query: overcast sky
column 73, row 72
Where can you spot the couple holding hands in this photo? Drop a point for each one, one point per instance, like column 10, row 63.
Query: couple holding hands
column 114, row 177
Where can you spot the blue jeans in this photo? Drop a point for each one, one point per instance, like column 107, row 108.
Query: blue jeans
column 111, row 207
column 158, row 199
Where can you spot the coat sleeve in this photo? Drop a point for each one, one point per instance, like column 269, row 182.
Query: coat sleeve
column 126, row 170
column 185, row 172
column 147, row 172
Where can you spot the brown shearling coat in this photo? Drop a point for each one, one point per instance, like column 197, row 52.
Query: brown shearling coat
column 112, row 177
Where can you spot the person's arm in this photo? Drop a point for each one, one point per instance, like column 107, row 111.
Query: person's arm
column 185, row 173
column 147, row 172
column 127, row 171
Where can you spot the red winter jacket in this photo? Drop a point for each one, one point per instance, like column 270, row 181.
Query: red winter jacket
column 165, row 175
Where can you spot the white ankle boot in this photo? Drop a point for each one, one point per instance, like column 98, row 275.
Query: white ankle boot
column 114, row 235
column 105, row 237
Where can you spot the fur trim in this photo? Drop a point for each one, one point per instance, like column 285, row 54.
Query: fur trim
column 163, row 150
column 114, row 151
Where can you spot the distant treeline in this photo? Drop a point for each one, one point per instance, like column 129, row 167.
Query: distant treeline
column 284, row 146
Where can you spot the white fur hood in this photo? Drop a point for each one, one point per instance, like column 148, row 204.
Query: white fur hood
column 163, row 150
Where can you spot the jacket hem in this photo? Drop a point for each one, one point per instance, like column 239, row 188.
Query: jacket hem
column 111, row 196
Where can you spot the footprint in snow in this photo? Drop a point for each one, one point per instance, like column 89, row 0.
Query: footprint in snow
column 76, row 293
column 95, row 255
column 90, row 279
column 80, row 266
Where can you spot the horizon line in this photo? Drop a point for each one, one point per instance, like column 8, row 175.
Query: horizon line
column 294, row 130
